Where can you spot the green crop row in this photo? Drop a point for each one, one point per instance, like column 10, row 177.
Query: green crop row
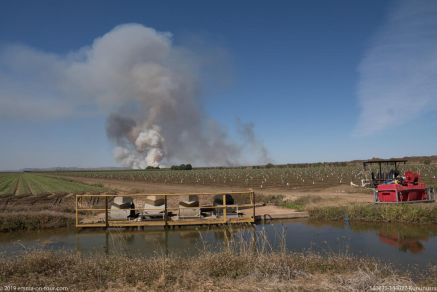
column 38, row 184
column 8, row 183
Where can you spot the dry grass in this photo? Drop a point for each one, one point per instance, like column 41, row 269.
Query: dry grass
column 270, row 199
column 36, row 212
column 241, row 265
column 230, row 270
column 407, row 213
column 300, row 203
column 34, row 220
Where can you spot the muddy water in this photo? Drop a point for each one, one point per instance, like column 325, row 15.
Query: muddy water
column 400, row 244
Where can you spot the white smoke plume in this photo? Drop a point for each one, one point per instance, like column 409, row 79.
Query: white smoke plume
column 246, row 130
column 148, row 87
column 398, row 75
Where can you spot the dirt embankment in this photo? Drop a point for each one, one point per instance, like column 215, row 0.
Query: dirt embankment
column 36, row 212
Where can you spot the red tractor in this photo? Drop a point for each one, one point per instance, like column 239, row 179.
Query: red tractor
column 392, row 187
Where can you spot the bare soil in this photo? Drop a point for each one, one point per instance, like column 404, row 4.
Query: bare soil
column 64, row 205
column 333, row 196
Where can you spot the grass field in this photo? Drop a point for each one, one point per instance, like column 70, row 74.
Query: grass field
column 39, row 184
column 318, row 176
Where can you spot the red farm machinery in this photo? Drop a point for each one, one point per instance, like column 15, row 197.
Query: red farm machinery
column 390, row 186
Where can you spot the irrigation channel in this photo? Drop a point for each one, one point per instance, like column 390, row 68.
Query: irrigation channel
column 399, row 244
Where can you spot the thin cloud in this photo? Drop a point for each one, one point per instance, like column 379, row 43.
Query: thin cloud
column 398, row 74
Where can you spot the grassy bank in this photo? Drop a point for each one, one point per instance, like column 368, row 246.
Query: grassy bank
column 229, row 269
column 408, row 213
column 16, row 221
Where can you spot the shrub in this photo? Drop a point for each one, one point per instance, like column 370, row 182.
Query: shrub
column 151, row 167
column 182, row 167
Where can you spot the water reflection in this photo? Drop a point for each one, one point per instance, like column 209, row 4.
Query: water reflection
column 181, row 241
column 396, row 243
column 404, row 237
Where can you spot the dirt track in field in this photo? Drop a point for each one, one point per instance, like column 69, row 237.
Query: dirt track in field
column 332, row 196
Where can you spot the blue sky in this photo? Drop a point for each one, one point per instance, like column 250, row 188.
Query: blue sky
column 307, row 74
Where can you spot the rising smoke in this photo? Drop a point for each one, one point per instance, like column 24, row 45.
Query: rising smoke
column 148, row 87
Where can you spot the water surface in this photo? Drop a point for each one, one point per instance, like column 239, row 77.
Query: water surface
column 400, row 244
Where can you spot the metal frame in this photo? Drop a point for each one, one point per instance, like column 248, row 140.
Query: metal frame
column 430, row 191
column 380, row 162
column 166, row 221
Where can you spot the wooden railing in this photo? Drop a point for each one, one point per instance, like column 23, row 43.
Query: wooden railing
column 87, row 215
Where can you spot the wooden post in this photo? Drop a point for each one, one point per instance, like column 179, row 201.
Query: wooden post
column 77, row 212
column 165, row 212
column 253, row 204
column 224, row 209
column 106, row 212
